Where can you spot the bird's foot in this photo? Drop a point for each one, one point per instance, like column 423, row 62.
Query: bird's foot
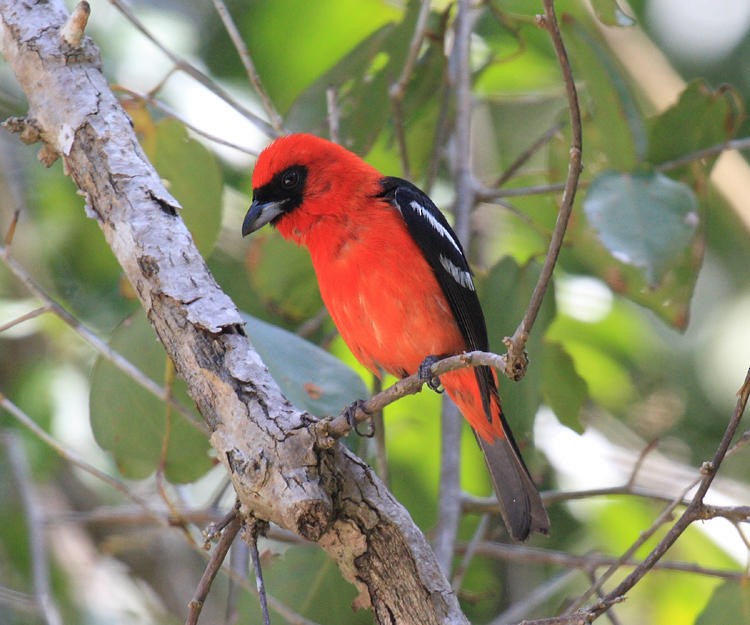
column 425, row 374
column 350, row 412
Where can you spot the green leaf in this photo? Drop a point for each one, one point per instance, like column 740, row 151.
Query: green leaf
column 644, row 220
column 617, row 128
column 505, row 294
column 730, row 603
column 194, row 178
column 307, row 580
column 282, row 275
column 610, row 12
column 293, row 43
column 131, row 423
column 701, row 118
column 361, row 81
column 562, row 388
column 309, row 377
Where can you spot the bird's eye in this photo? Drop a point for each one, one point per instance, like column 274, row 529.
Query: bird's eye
column 290, row 179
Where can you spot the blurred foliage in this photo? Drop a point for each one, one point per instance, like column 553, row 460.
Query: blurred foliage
column 653, row 272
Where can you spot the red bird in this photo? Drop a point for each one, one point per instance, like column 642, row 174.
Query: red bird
column 397, row 284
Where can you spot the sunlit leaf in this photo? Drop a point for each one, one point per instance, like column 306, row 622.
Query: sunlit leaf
column 294, row 43
column 361, row 82
column 131, row 423
column 309, row 376
column 644, row 220
column 730, row 603
column 562, row 388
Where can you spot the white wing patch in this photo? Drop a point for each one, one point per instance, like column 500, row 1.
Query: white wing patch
column 437, row 227
column 461, row 276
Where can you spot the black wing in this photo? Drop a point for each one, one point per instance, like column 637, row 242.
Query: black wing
column 445, row 255
column 520, row 504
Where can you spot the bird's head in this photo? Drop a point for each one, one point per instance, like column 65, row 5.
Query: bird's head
column 300, row 179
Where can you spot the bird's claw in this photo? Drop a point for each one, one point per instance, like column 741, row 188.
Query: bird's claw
column 425, row 374
column 350, row 412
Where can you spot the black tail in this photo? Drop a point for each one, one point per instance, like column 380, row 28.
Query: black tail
column 520, row 504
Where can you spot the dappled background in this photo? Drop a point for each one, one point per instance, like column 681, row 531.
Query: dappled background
column 635, row 359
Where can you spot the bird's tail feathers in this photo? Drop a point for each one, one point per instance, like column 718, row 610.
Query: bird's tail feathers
column 520, row 504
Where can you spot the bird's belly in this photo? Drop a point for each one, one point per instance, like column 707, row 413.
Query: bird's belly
column 392, row 321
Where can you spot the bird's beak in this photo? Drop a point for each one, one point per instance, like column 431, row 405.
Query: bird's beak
column 260, row 214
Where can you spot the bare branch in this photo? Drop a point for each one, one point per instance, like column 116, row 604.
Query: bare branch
column 517, row 342
column 247, row 61
column 117, row 359
column 35, row 519
column 229, row 533
column 398, row 88
column 195, row 73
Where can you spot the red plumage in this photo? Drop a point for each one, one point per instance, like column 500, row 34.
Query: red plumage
column 385, row 288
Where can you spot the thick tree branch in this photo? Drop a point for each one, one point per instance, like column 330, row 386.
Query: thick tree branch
column 281, row 470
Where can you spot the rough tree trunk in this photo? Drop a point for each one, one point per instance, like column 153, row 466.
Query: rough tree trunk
column 282, row 471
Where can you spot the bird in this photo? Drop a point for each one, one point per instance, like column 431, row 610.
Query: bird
column 397, row 284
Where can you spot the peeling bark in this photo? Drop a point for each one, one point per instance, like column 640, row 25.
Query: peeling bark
column 281, row 469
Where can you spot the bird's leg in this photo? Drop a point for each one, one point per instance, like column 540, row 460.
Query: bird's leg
column 350, row 412
column 425, row 374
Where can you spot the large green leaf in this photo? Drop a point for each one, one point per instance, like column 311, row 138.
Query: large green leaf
column 309, row 376
column 730, row 603
column 193, row 176
column 562, row 388
column 701, row 118
column 293, row 43
column 616, row 128
column 131, row 423
column 644, row 220
column 282, row 275
column 361, row 81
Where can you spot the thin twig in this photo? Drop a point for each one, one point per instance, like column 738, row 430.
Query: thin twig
column 397, row 91
column 119, row 361
column 663, row 518
column 74, row 458
column 159, row 105
column 337, row 427
column 212, row 568
column 251, row 536
column 491, row 194
column 524, row 156
column 735, row 144
column 40, row 567
column 693, row 512
column 470, row 552
column 525, row 554
column 518, row 341
column 195, row 73
column 32, row 314
column 247, row 61
column 332, row 107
